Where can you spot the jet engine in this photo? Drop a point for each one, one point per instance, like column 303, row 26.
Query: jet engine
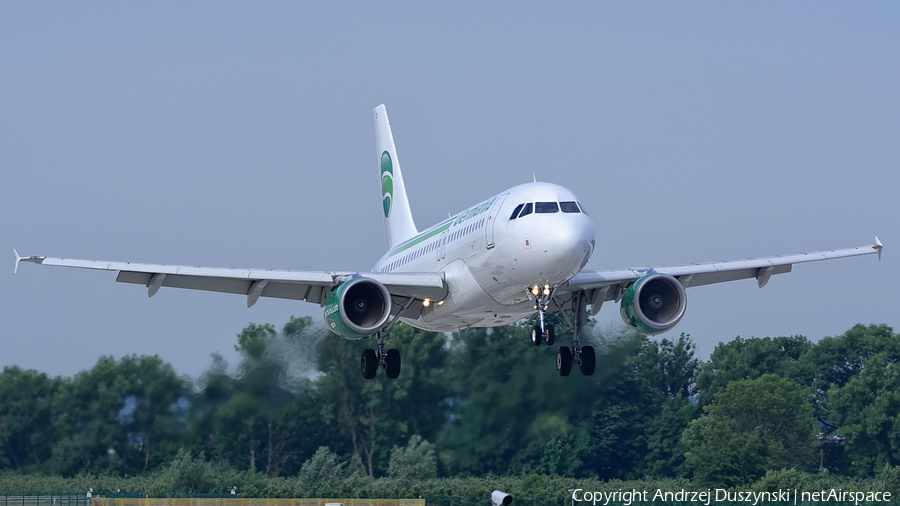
column 358, row 308
column 653, row 304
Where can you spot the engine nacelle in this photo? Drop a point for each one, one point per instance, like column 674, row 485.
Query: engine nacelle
column 358, row 308
column 653, row 304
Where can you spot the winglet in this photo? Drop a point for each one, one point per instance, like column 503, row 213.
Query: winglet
column 878, row 247
column 36, row 260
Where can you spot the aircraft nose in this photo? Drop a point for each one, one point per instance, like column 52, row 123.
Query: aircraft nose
column 569, row 243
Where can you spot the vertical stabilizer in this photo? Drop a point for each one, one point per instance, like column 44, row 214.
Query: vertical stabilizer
column 398, row 221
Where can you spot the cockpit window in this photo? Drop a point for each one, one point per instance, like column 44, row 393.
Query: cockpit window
column 515, row 212
column 569, row 207
column 546, row 207
column 526, row 210
column 581, row 206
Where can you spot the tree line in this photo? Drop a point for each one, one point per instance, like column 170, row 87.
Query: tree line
column 475, row 403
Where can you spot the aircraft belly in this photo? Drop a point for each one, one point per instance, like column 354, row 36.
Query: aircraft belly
column 449, row 322
column 467, row 305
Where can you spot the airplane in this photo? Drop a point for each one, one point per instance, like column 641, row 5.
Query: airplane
column 517, row 253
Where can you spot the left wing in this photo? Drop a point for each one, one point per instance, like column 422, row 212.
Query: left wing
column 601, row 286
column 310, row 286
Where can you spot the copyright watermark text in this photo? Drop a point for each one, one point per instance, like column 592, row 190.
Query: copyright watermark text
column 710, row 496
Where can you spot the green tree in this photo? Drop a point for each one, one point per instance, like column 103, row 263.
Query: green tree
column 187, row 474
column 265, row 416
column 254, row 340
column 751, row 358
column 867, row 413
column 516, row 415
column 511, row 407
column 622, row 414
column 26, row 418
column 644, row 409
column 665, row 451
column 375, row 415
column 323, row 469
column 669, row 366
column 837, row 360
column 415, row 461
column 156, row 407
column 752, row 426
column 114, row 416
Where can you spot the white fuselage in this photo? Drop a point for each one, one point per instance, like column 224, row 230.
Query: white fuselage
column 491, row 256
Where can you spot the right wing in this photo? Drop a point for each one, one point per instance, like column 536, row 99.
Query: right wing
column 609, row 285
column 310, row 286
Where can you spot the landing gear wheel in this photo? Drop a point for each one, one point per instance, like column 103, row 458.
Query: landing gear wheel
column 536, row 335
column 564, row 361
column 393, row 363
column 549, row 336
column 369, row 364
column 588, row 360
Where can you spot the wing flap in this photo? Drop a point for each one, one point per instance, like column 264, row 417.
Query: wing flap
column 239, row 286
column 603, row 286
column 311, row 286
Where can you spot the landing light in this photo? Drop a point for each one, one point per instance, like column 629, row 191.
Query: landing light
column 546, row 289
column 535, row 290
column 426, row 302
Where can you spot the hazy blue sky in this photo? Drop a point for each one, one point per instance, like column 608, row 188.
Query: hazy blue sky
column 241, row 135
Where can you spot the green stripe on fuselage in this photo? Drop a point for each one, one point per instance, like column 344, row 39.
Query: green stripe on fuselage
column 457, row 220
column 419, row 239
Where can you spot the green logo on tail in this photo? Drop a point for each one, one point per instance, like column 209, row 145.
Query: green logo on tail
column 387, row 183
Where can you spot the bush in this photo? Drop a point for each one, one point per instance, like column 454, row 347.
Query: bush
column 415, row 462
column 889, row 481
column 323, row 472
column 785, row 479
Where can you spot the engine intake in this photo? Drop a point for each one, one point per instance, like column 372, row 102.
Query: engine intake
column 358, row 308
column 653, row 304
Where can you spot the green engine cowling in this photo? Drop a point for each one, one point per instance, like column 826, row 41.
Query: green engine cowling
column 653, row 304
column 358, row 308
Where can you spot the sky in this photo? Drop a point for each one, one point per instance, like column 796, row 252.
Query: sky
column 234, row 134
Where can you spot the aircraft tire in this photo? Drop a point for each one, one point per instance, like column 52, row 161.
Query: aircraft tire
column 369, row 363
column 549, row 336
column 563, row 361
column 393, row 363
column 536, row 335
column 588, row 360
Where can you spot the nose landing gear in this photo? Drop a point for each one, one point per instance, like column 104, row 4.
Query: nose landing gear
column 542, row 332
column 546, row 334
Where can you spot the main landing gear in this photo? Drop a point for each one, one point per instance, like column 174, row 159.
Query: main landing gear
column 389, row 360
column 565, row 357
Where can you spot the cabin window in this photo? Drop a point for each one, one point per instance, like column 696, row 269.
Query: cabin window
column 569, row 207
column 526, row 210
column 546, row 207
